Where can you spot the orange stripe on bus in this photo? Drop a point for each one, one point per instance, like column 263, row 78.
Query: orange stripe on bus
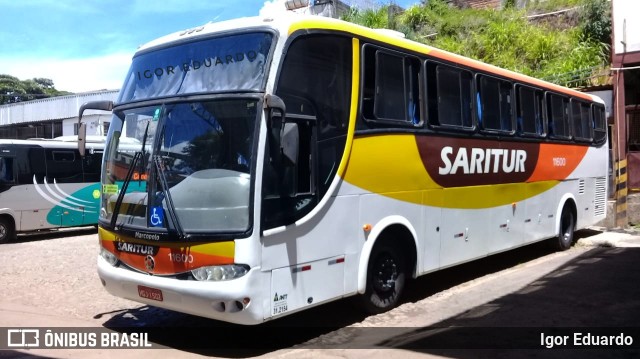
column 165, row 260
column 557, row 162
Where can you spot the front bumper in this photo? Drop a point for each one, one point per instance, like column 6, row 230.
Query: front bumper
column 216, row 300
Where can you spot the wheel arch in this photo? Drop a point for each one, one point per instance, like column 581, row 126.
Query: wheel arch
column 7, row 213
column 10, row 218
column 567, row 199
column 396, row 226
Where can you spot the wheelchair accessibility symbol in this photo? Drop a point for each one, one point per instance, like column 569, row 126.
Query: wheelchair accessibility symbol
column 157, row 217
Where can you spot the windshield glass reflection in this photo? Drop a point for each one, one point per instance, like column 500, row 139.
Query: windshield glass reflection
column 194, row 162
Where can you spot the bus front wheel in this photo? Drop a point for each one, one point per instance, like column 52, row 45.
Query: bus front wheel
column 7, row 232
column 386, row 277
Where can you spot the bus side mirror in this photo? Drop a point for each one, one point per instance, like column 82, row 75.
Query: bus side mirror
column 82, row 128
column 82, row 139
column 290, row 142
column 289, row 137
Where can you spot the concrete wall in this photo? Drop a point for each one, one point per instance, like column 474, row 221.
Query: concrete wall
column 626, row 27
column 633, row 212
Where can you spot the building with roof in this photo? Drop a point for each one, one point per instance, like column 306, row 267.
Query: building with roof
column 625, row 56
column 54, row 116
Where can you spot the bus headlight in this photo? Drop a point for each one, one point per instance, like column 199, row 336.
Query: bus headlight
column 108, row 256
column 219, row 273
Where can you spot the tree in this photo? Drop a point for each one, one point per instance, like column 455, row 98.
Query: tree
column 596, row 21
column 45, row 83
column 13, row 89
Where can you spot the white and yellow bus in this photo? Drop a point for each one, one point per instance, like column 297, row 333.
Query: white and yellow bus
column 289, row 162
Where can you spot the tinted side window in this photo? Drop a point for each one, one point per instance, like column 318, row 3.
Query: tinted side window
column 91, row 165
column 315, row 84
column 530, row 113
column 29, row 163
column 494, row 104
column 558, row 113
column 63, row 166
column 581, row 120
column 6, row 173
column 391, row 87
column 6, row 169
column 449, row 93
column 599, row 124
column 389, row 94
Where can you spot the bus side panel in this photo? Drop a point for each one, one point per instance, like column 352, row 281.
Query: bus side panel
column 80, row 204
column 433, row 220
column 537, row 223
column 31, row 210
column 585, row 202
column 505, row 227
column 331, row 233
column 590, row 190
column 591, row 201
column 464, row 232
column 306, row 284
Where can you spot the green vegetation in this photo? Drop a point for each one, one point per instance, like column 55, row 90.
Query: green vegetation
column 569, row 48
column 13, row 89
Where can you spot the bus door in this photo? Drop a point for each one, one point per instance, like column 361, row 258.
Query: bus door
column 90, row 192
column 63, row 183
column 30, row 167
column 307, row 258
column 7, row 178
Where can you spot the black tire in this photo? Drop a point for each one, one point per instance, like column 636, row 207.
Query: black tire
column 7, row 231
column 564, row 240
column 386, row 276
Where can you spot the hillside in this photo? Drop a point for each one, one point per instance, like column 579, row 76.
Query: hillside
column 562, row 41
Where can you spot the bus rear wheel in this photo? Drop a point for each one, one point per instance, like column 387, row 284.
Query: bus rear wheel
column 386, row 277
column 7, row 231
column 567, row 226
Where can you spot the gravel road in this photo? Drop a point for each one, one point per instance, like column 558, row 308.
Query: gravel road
column 55, row 273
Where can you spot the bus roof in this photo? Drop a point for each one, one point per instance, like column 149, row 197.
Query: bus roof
column 49, row 143
column 288, row 23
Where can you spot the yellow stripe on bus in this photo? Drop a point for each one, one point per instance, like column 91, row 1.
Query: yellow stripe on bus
column 355, row 93
column 477, row 197
column 322, row 23
column 391, row 166
column 390, row 163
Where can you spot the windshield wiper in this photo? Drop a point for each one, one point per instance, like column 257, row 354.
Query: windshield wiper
column 127, row 179
column 161, row 176
column 157, row 160
column 138, row 155
column 125, row 185
column 143, row 151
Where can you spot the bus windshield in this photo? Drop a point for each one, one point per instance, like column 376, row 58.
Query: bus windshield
column 192, row 159
column 233, row 63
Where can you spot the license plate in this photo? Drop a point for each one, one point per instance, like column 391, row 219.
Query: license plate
column 150, row 293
